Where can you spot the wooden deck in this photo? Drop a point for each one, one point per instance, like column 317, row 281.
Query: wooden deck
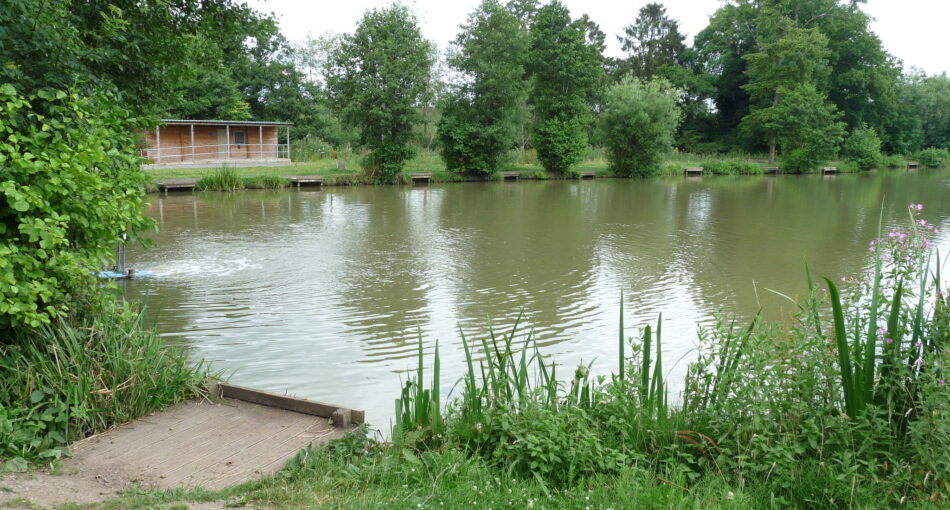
column 694, row 171
column 421, row 177
column 770, row 170
column 913, row 165
column 510, row 176
column 167, row 185
column 588, row 174
column 306, row 180
column 208, row 444
column 829, row 170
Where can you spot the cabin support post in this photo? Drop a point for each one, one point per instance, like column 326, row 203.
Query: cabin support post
column 288, row 142
column 192, row 126
column 158, row 145
column 260, row 141
column 227, row 137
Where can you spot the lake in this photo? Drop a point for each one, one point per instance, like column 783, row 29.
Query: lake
column 324, row 293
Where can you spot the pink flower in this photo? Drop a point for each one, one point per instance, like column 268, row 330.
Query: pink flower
column 889, row 340
column 881, row 331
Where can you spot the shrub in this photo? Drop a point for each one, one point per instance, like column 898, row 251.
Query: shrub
column 934, row 157
column 638, row 125
column 725, row 167
column 71, row 188
column 863, row 148
column 894, row 161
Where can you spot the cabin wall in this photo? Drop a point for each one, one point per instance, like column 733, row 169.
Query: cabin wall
column 210, row 144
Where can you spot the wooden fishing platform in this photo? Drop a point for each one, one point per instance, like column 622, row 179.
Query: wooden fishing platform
column 588, row 174
column 829, row 170
column 510, row 176
column 240, row 435
column 167, row 185
column 770, row 170
column 421, row 177
column 694, row 171
column 306, row 180
column 913, row 165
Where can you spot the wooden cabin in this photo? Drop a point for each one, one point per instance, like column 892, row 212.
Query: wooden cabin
column 217, row 142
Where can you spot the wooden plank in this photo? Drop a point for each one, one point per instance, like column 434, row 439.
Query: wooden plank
column 510, row 176
column 829, row 170
column 306, row 180
column 913, row 164
column 771, row 170
column 177, row 185
column 421, row 177
column 694, row 171
column 588, row 174
column 299, row 405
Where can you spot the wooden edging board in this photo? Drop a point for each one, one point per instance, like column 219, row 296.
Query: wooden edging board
column 341, row 416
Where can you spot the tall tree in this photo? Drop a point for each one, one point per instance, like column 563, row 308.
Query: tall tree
column 479, row 119
column 652, row 42
column 789, row 56
column 376, row 78
column 566, row 70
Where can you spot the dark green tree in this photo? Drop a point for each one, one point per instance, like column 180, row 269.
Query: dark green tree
column 789, row 56
column 479, row 119
column 376, row 78
column 638, row 125
column 652, row 42
column 566, row 71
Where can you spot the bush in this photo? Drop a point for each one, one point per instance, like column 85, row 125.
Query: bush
column 934, row 157
column 72, row 189
column 863, row 148
column 638, row 125
column 894, row 161
column 724, row 167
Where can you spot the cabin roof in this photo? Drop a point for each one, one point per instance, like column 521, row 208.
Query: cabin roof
column 223, row 122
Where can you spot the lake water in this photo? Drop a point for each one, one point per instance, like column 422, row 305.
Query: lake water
column 323, row 293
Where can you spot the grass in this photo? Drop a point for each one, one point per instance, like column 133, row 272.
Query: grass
column 81, row 376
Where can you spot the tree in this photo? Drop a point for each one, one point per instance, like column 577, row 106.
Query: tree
column 791, row 56
column 807, row 126
column 652, row 42
column 863, row 147
column 479, row 119
column 638, row 125
column 565, row 70
column 376, row 77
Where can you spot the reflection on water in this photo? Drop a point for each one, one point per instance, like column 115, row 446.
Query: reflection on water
column 324, row 293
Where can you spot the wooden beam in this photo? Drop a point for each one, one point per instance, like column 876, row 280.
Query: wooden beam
column 227, row 138
column 158, row 144
column 288, row 142
column 260, row 141
column 288, row 403
column 192, row 142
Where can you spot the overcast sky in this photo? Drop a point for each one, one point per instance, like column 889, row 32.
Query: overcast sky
column 915, row 31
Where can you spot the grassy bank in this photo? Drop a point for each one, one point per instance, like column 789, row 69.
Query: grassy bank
column 82, row 375
column 842, row 405
column 429, row 161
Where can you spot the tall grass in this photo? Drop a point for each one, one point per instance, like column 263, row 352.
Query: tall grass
column 81, row 376
column 845, row 401
column 223, row 178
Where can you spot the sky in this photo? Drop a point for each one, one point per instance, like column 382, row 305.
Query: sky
column 914, row 31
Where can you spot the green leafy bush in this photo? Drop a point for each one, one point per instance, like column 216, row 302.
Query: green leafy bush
column 71, row 190
column 638, row 125
column 934, row 157
column 724, row 167
column 863, row 148
column 894, row 161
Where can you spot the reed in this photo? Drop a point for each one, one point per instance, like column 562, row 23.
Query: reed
column 223, row 178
